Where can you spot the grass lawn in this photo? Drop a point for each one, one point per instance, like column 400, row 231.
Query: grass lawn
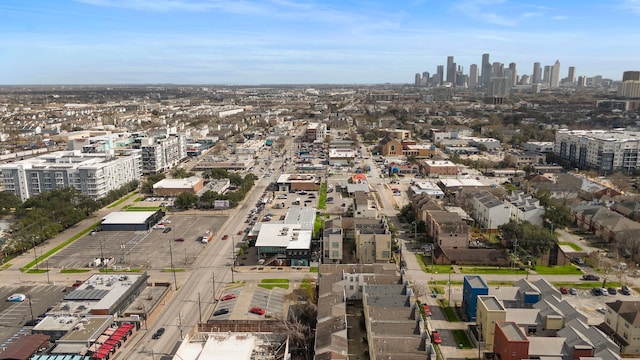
column 490, row 270
column 271, row 283
column 425, row 264
column 38, row 271
column 307, row 284
column 123, row 199
column 558, row 270
column 163, row 270
column 461, row 338
column 313, row 269
column 575, row 247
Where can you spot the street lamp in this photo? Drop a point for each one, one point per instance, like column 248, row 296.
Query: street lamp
column 35, row 255
column 175, row 281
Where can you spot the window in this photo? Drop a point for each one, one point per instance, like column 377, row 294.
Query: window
column 335, row 245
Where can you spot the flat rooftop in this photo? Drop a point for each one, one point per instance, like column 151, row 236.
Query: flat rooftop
column 492, row 303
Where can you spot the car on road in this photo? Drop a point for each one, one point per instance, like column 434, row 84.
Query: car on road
column 166, row 230
column 17, row 298
column 611, row 291
column 180, row 239
column 308, row 201
column 158, row 333
column 221, row 312
column 228, row 297
column 436, row 337
column 602, row 310
column 625, row 290
column 239, row 232
column 225, row 237
column 256, row 310
column 590, row 277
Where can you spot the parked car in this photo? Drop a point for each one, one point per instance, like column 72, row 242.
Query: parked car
column 166, row 230
column 436, row 337
column 564, row 290
column 625, row 290
column 590, row 277
column 17, row 298
column 225, row 237
column 602, row 310
column 221, row 312
column 228, row 297
column 158, row 333
column 596, row 291
column 604, row 292
column 256, row 310
column 612, row 291
column 573, row 291
column 180, row 239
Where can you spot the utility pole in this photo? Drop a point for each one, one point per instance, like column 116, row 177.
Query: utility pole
column 213, row 283
column 47, row 264
column 35, row 255
column 233, row 258
column 199, row 309
column 515, row 252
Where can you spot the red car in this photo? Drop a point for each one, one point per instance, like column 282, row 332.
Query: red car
column 180, row 239
column 225, row 237
column 228, row 297
column 564, row 290
column 257, row 311
column 426, row 309
column 436, row 337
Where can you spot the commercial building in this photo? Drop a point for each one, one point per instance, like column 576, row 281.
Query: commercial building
column 291, row 182
column 473, row 287
column 287, row 244
column 602, row 150
column 130, row 221
column 174, row 187
column 315, row 132
column 629, row 89
column 93, row 174
column 439, row 167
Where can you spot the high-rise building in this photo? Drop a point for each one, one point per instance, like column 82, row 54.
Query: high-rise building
column 513, row 78
column 571, row 76
column 162, row 154
column 416, row 81
column 440, row 74
column 499, row 86
column 497, row 69
column 630, row 75
column 546, row 76
column 485, row 75
column 451, row 70
column 629, row 89
column 473, row 76
column 537, row 72
column 425, row 78
column 582, row 81
column 554, row 82
column 524, row 80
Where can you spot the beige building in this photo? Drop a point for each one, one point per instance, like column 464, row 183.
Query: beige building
column 373, row 243
column 622, row 320
column 489, row 311
column 440, row 167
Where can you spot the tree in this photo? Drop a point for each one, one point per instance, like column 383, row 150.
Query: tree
column 531, row 240
column 147, row 186
column 186, row 200
column 180, row 173
column 8, row 201
column 558, row 216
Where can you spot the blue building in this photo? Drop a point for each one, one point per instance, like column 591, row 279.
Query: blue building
column 474, row 286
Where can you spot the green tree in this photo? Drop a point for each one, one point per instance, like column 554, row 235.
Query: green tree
column 186, row 200
column 558, row 216
column 147, row 186
column 531, row 240
column 8, row 201
column 180, row 173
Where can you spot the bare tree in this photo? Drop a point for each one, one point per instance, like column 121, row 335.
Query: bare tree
column 628, row 244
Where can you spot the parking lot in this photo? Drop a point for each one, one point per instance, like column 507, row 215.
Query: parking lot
column 14, row 315
column 150, row 249
column 272, row 301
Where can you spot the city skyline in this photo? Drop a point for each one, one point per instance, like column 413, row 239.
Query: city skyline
column 304, row 42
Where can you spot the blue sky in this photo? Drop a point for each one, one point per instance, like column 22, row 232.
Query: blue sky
column 305, row 41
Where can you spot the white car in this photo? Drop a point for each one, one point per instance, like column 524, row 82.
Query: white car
column 17, row 298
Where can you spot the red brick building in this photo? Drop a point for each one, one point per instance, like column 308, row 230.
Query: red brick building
column 510, row 342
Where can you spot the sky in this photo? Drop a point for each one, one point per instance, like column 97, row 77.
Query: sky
column 251, row 42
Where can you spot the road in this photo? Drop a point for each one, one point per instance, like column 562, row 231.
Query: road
column 194, row 298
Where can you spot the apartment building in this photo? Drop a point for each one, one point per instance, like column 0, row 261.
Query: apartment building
column 524, row 207
column 489, row 211
column 161, row 154
column 601, row 150
column 93, row 174
column 622, row 322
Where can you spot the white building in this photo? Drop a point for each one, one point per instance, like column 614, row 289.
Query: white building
column 94, row 174
column 601, row 150
column 524, row 207
column 489, row 211
column 539, row 146
column 161, row 154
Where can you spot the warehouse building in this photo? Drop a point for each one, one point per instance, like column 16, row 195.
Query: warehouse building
column 131, row 221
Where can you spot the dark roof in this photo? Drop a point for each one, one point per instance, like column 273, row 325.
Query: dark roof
column 608, row 330
column 628, row 310
column 25, row 346
column 494, row 257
